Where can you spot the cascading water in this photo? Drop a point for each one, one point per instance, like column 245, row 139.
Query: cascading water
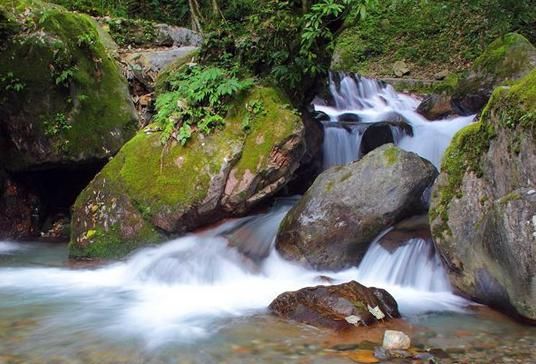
column 181, row 291
column 371, row 102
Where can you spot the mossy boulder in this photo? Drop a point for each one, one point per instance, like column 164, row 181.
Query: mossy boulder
column 484, row 203
column 63, row 99
column 148, row 192
column 333, row 224
column 505, row 60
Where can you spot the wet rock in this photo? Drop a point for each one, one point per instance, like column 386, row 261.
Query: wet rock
column 484, row 203
column 375, row 136
column 333, row 224
column 435, row 107
column 413, row 227
column 337, row 307
column 348, row 118
column 396, row 340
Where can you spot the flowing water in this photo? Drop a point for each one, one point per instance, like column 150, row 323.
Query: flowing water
column 367, row 102
column 202, row 298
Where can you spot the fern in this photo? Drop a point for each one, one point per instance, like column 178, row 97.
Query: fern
column 197, row 100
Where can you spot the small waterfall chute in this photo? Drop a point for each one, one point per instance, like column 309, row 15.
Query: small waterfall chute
column 372, row 101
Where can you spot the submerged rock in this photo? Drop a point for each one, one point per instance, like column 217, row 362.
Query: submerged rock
column 336, row 307
column 484, row 203
column 67, row 102
column 147, row 191
column 395, row 340
column 333, row 224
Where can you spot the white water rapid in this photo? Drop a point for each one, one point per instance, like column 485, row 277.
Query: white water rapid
column 183, row 290
column 361, row 102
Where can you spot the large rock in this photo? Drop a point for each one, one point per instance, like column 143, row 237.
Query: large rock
column 508, row 58
column 333, row 224
column 146, row 191
column 63, row 99
column 483, row 212
column 337, row 307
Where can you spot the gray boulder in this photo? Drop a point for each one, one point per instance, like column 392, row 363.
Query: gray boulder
column 333, row 224
column 483, row 211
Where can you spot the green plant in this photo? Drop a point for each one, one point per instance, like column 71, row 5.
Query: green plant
column 254, row 110
column 87, row 40
column 197, row 100
column 64, row 76
column 57, row 125
column 11, row 83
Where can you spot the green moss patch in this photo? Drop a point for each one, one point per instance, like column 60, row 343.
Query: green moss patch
column 68, row 74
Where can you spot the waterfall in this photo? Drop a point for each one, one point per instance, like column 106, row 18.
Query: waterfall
column 372, row 102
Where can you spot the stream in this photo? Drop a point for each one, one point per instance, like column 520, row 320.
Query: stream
column 203, row 298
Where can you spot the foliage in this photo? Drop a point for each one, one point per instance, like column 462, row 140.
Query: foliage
column 135, row 32
column 197, row 100
column 430, row 36
column 57, row 125
column 253, row 110
column 286, row 42
column 11, row 83
column 167, row 11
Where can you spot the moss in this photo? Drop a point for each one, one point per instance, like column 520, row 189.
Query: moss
column 329, row 186
column 109, row 244
column 506, row 56
column 68, row 71
column 271, row 128
column 463, row 154
column 391, row 155
column 510, row 110
column 512, row 196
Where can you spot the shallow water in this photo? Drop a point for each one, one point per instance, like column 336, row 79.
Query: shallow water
column 209, row 310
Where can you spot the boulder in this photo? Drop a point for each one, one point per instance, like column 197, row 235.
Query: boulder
column 147, row 191
column 336, row 307
column 68, row 102
column 435, row 107
column 507, row 59
column 333, row 224
column 484, row 203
